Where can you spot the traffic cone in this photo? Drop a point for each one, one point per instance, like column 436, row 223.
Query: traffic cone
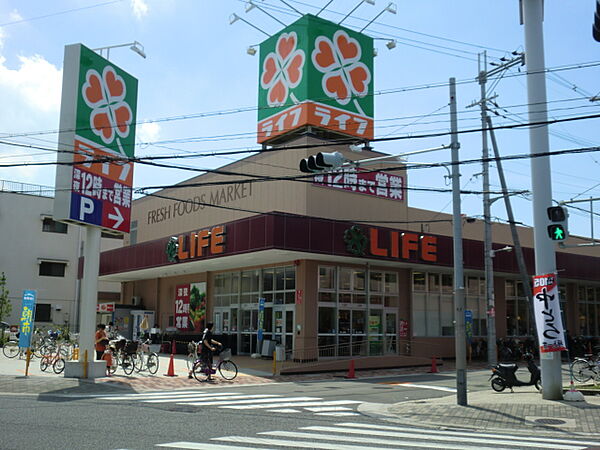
column 171, row 369
column 434, row 368
column 351, row 370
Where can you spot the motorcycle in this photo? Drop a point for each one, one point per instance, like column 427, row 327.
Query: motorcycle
column 504, row 375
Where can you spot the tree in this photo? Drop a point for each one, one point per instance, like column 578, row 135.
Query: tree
column 5, row 305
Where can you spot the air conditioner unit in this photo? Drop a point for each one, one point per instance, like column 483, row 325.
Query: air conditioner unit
column 136, row 300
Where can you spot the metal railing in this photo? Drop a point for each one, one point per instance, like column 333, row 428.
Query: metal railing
column 26, row 188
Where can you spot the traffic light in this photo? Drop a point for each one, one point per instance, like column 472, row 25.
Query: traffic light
column 322, row 162
column 596, row 26
column 557, row 230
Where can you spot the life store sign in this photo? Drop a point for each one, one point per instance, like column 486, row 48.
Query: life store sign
column 316, row 73
column 547, row 313
column 94, row 175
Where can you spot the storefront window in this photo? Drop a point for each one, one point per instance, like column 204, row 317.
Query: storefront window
column 279, row 278
column 447, row 315
column 358, row 280
column 290, row 278
column 519, row 320
column 358, row 322
column 447, row 283
column 344, row 321
column 391, row 283
column 376, row 300
column 419, row 283
column 327, row 319
column 268, row 280
column 589, row 310
column 345, row 279
column 326, row 278
column 434, row 282
column 376, row 282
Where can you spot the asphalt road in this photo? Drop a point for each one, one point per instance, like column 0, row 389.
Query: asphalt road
column 89, row 422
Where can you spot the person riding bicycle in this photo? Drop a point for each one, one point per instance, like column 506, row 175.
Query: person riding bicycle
column 208, row 348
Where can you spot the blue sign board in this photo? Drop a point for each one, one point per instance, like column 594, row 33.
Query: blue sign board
column 261, row 317
column 27, row 318
column 469, row 324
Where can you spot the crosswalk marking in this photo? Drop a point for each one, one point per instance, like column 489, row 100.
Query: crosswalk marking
column 366, row 440
column 364, row 436
column 295, row 403
column 460, row 433
column 220, row 397
column 276, row 403
column 204, row 446
column 424, row 386
column 439, row 436
column 291, row 443
column 152, row 395
column 229, row 404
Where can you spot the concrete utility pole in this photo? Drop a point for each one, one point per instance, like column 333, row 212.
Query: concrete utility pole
column 487, row 222
column 545, row 259
column 483, row 75
column 459, row 279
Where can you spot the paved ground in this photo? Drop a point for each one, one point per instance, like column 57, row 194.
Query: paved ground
column 521, row 410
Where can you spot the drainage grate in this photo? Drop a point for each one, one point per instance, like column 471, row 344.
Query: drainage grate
column 547, row 421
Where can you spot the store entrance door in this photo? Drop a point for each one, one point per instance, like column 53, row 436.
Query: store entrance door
column 283, row 326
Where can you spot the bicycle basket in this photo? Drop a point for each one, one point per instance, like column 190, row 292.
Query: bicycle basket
column 130, row 347
column 225, row 354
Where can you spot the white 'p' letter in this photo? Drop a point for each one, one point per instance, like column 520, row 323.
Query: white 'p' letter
column 86, row 207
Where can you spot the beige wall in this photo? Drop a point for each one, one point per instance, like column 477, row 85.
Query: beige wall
column 158, row 217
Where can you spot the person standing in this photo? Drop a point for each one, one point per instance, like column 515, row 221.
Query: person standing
column 101, row 341
column 208, row 348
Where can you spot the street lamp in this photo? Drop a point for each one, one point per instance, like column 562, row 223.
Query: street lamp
column 233, row 18
column 134, row 46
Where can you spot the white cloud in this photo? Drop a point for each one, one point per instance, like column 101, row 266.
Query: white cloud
column 140, row 8
column 30, row 96
column 147, row 132
column 2, row 36
column 15, row 16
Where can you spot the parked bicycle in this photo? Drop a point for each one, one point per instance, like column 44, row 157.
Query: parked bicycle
column 226, row 367
column 11, row 349
column 56, row 360
column 121, row 354
column 144, row 359
column 586, row 368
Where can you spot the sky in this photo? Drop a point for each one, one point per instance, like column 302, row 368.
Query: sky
column 198, row 86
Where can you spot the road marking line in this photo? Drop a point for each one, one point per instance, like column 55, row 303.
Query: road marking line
column 293, row 444
column 424, row 386
column 293, row 404
column 460, row 433
column 207, row 397
column 337, row 414
column 328, row 408
column 154, row 395
column 203, row 446
column 366, row 440
column 242, row 402
column 443, row 436
column 284, row 410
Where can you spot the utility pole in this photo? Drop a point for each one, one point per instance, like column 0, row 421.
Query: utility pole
column 545, row 258
column 483, row 75
column 487, row 221
column 459, row 279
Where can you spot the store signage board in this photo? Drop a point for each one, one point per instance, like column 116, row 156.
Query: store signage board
column 105, row 307
column 97, row 122
column 316, row 73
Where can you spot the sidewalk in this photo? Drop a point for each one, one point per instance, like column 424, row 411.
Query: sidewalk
column 523, row 410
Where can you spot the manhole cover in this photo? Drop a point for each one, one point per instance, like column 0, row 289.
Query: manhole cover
column 545, row 421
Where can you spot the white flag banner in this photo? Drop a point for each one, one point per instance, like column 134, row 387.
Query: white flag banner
column 547, row 313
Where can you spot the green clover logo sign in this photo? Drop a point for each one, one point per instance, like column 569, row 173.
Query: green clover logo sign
column 356, row 241
column 171, row 250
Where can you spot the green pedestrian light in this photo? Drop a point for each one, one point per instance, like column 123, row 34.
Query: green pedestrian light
column 557, row 230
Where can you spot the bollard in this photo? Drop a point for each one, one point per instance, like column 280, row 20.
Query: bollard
column 27, row 360
column 434, row 368
column 75, row 356
column 85, row 363
column 351, row 370
column 274, row 362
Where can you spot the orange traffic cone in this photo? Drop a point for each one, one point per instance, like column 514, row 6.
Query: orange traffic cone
column 351, row 370
column 434, row 368
column 171, row 369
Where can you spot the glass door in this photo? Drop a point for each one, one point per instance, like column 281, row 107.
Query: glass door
column 283, row 326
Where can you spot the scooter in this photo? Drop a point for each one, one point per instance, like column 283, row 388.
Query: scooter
column 503, row 375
